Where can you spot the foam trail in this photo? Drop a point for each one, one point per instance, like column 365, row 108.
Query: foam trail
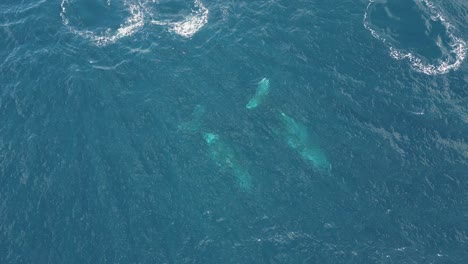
column 130, row 26
column 263, row 90
column 458, row 46
column 191, row 24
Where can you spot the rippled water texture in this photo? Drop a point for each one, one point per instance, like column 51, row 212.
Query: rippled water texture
column 206, row 131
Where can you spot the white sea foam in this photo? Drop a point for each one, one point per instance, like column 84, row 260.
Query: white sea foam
column 187, row 27
column 107, row 67
column 130, row 26
column 191, row 24
column 457, row 45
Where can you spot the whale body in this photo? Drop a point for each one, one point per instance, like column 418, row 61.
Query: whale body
column 225, row 157
column 299, row 139
column 195, row 122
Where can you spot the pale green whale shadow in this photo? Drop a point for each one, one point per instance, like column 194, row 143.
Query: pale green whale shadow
column 222, row 153
column 225, row 156
column 298, row 138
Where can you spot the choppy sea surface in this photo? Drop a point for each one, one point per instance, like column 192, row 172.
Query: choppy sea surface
column 208, row 131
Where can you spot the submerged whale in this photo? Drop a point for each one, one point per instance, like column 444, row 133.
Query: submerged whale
column 299, row 139
column 195, row 122
column 225, row 157
column 220, row 151
column 262, row 91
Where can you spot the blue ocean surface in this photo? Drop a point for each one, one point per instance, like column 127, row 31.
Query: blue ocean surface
column 209, row 131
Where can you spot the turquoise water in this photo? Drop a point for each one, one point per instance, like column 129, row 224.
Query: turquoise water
column 127, row 135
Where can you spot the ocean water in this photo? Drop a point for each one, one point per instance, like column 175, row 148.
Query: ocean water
column 207, row 131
